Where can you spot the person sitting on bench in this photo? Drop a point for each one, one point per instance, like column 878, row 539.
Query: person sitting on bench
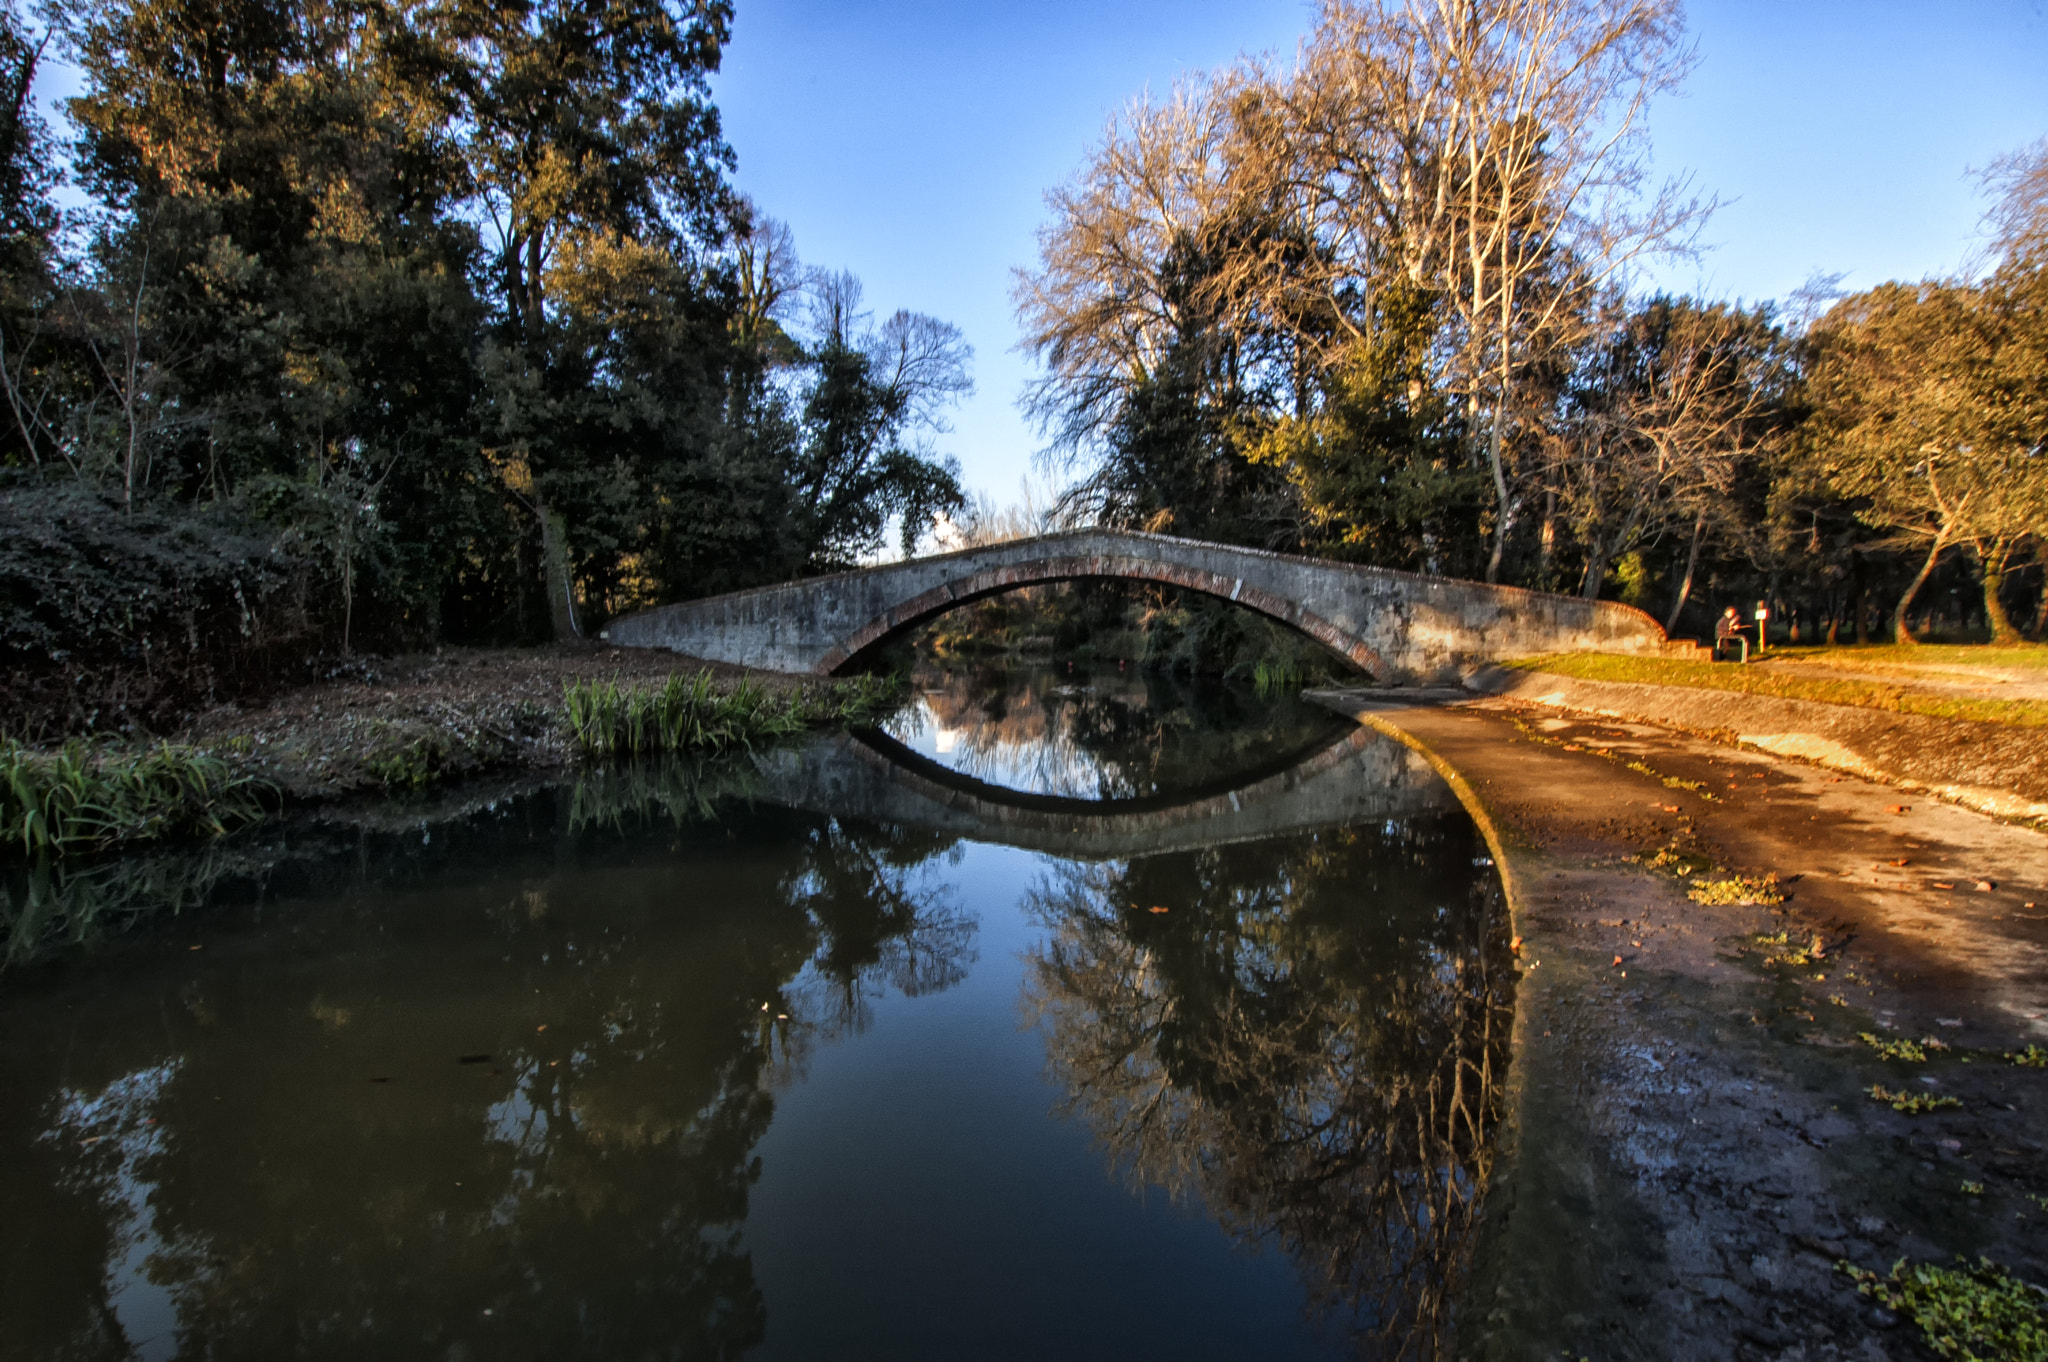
column 1728, row 630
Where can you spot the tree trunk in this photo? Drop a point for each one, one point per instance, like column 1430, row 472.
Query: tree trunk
column 1994, row 608
column 1862, row 597
column 561, row 590
column 1596, row 571
column 1504, row 509
column 1692, row 563
column 1902, row 634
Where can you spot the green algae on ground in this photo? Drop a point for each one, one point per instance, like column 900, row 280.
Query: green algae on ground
column 1909, row 1051
column 1978, row 1313
column 1912, row 1103
column 1740, row 890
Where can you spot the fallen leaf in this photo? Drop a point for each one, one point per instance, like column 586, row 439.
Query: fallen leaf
column 1900, row 808
column 1903, row 860
column 1943, row 884
column 1617, row 959
column 1516, row 944
column 1985, row 886
column 542, row 1027
column 1159, row 910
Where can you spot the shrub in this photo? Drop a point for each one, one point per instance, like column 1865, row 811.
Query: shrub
column 112, row 620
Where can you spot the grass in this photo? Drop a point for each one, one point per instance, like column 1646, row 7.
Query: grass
column 1968, row 1313
column 699, row 714
column 82, row 798
column 1882, row 656
column 1760, row 679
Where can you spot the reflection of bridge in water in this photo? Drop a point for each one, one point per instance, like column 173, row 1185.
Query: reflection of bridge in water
column 1360, row 776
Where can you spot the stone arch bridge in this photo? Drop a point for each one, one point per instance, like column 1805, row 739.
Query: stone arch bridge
column 1395, row 626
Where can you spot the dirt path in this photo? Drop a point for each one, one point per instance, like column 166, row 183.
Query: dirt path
column 1693, row 1145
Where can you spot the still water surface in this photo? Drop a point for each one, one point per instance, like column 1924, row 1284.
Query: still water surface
column 1071, row 1016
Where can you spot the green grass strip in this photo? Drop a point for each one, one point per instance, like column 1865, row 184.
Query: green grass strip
column 1759, row 679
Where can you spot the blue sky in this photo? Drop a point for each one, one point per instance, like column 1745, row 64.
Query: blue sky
column 912, row 141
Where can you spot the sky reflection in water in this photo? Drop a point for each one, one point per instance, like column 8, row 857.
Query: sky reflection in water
column 657, row 1065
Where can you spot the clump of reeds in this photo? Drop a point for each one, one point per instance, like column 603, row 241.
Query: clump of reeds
column 697, row 713
column 1277, row 676
column 85, row 798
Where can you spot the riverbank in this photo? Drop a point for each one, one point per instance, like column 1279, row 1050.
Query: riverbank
column 406, row 722
column 1695, row 1071
column 1995, row 768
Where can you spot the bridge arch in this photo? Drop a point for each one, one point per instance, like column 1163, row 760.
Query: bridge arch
column 1396, row 626
column 985, row 582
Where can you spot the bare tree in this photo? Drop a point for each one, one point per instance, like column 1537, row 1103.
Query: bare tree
column 2016, row 224
column 1488, row 153
column 1671, row 405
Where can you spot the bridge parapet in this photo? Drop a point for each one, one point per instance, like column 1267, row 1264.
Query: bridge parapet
column 1395, row 626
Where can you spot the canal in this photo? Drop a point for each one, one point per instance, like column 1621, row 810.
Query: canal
column 1069, row 1014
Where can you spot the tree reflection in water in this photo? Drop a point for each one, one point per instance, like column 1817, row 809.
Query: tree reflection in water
column 274, row 1148
column 1310, row 1040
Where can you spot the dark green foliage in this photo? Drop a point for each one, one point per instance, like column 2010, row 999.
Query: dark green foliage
column 432, row 320
column 112, row 619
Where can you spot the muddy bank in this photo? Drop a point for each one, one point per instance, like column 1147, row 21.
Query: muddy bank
column 1693, row 1145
